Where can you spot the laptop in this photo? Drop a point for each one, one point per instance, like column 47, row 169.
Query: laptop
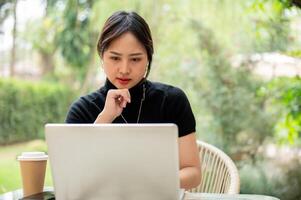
column 114, row 161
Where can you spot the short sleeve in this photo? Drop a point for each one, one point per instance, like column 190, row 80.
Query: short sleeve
column 178, row 111
column 79, row 112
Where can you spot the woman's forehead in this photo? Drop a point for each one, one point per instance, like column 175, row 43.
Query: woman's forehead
column 127, row 43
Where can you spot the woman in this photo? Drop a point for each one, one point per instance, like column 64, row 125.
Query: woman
column 125, row 47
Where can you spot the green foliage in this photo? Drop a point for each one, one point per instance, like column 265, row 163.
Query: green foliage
column 253, row 179
column 285, row 96
column 74, row 39
column 26, row 107
column 287, row 185
column 64, row 34
column 290, row 3
column 272, row 177
column 294, row 53
column 230, row 97
column 270, row 25
column 244, row 28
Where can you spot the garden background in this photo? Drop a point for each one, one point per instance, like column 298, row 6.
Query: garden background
column 239, row 63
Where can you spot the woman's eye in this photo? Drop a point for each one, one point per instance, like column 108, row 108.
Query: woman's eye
column 115, row 58
column 136, row 59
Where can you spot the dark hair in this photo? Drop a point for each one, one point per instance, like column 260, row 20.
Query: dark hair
column 121, row 22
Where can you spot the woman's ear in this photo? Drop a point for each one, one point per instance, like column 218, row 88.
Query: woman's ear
column 146, row 69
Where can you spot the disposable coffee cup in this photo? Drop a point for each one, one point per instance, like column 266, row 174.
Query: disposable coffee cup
column 33, row 168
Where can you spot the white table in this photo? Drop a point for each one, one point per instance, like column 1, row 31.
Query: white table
column 17, row 194
column 208, row 196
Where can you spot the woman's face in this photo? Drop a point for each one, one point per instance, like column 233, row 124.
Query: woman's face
column 125, row 61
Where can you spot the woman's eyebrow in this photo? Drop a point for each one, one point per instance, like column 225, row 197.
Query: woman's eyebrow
column 136, row 54
column 132, row 54
column 115, row 53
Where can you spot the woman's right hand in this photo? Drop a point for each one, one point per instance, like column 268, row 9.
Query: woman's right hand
column 116, row 101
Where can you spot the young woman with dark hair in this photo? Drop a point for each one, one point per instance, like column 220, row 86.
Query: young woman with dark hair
column 125, row 47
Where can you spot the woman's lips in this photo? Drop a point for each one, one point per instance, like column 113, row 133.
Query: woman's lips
column 123, row 81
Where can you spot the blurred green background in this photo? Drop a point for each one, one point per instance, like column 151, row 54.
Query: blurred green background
column 239, row 63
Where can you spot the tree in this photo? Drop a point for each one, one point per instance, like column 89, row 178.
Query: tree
column 13, row 49
column 75, row 40
column 65, row 30
column 291, row 3
column 7, row 8
column 42, row 34
column 230, row 96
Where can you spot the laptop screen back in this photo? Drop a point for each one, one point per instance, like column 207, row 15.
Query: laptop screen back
column 114, row 161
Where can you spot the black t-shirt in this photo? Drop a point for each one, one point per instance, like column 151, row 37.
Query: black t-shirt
column 163, row 104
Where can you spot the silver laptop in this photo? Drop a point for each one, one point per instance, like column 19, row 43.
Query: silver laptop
column 114, row 161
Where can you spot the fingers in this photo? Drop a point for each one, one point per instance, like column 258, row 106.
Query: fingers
column 121, row 101
column 121, row 96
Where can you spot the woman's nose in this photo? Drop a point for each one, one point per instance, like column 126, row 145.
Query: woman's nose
column 124, row 68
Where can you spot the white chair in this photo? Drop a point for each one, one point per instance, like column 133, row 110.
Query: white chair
column 219, row 173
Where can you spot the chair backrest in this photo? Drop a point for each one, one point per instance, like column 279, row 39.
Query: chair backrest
column 219, row 173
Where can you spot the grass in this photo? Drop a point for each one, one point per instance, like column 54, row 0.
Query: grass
column 10, row 177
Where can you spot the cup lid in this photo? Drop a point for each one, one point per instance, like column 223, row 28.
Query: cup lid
column 33, row 156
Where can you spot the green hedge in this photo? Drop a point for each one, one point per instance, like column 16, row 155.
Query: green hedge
column 25, row 107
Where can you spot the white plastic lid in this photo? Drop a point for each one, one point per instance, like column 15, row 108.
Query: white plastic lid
column 33, row 156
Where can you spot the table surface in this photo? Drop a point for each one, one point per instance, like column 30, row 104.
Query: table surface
column 17, row 194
